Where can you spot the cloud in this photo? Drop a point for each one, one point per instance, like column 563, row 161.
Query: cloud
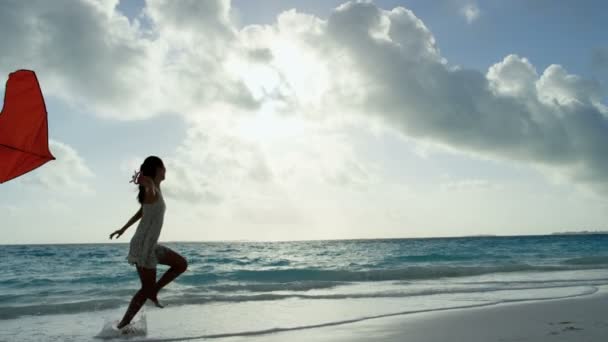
column 67, row 174
column 555, row 119
column 470, row 12
column 514, row 76
column 266, row 169
column 361, row 63
column 470, row 185
column 187, row 184
column 88, row 54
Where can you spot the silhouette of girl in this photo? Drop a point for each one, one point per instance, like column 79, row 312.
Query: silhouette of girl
column 144, row 251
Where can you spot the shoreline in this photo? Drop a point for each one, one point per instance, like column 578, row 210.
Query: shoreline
column 581, row 318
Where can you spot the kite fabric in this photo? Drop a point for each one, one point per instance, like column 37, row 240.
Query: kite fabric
column 24, row 144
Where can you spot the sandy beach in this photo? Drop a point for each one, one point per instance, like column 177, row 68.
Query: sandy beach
column 582, row 318
column 575, row 319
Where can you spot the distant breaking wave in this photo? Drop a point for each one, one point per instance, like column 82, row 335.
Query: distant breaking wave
column 406, row 273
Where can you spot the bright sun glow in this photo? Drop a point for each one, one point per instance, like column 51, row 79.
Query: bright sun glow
column 261, row 80
column 305, row 73
column 268, row 127
column 293, row 71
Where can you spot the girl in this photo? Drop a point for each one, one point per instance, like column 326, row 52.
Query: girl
column 144, row 251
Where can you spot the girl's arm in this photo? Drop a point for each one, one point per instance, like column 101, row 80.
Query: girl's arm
column 133, row 219
column 148, row 185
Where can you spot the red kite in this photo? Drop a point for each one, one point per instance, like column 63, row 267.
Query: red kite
column 24, row 134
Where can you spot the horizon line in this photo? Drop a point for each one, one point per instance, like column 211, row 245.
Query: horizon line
column 565, row 233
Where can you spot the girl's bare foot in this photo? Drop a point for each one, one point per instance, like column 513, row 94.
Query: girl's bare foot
column 155, row 301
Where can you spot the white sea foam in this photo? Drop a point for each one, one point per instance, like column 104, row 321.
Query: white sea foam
column 137, row 327
column 193, row 322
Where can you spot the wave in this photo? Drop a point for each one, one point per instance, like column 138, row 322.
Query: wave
column 590, row 260
column 271, row 287
column 438, row 257
column 280, row 274
column 68, row 279
column 358, row 319
column 407, row 273
column 11, row 312
column 281, row 262
column 245, row 261
column 206, row 299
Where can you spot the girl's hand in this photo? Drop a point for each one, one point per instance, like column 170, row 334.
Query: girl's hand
column 148, row 184
column 139, row 178
column 145, row 180
column 118, row 233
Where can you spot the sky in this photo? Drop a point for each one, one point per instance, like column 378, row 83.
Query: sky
column 310, row 119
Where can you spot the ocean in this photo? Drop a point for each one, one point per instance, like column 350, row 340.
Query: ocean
column 67, row 292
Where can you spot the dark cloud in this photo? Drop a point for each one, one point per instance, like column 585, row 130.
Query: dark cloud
column 553, row 120
column 91, row 56
column 260, row 55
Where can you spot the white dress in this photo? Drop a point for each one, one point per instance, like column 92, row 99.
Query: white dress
column 144, row 248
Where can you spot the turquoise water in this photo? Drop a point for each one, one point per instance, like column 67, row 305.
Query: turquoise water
column 64, row 279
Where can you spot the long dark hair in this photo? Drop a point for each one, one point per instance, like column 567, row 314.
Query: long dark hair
column 148, row 168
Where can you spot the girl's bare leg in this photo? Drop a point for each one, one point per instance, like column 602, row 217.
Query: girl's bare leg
column 148, row 285
column 178, row 266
